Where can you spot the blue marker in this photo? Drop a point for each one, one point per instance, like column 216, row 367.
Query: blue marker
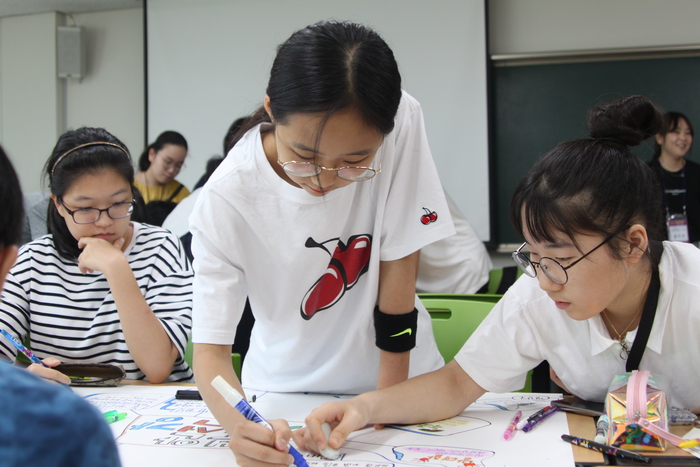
column 27, row 353
column 239, row 403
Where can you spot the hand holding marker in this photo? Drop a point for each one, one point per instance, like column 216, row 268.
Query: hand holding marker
column 27, row 353
column 238, row 402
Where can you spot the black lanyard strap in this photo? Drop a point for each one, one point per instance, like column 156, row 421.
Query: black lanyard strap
column 646, row 321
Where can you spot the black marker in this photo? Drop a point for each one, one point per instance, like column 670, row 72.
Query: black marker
column 605, row 449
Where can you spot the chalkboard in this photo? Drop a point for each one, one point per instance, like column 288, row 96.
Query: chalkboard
column 537, row 106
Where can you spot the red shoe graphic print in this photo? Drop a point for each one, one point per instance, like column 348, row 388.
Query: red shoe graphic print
column 346, row 266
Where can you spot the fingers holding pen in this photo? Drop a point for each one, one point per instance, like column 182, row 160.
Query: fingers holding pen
column 46, row 370
column 255, row 445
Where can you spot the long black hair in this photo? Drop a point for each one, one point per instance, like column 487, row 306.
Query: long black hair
column 64, row 167
column 167, row 137
column 596, row 185
column 332, row 66
column 12, row 212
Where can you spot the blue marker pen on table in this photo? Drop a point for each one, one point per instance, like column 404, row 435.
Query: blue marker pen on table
column 27, row 353
column 238, row 402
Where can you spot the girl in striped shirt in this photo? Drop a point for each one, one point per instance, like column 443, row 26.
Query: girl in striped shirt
column 99, row 288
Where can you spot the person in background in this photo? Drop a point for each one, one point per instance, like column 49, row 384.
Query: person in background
column 159, row 164
column 99, row 288
column 42, row 423
column 679, row 179
column 458, row 264
column 601, row 294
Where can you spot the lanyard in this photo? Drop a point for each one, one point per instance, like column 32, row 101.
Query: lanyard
column 645, row 323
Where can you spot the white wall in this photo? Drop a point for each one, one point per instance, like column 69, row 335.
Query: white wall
column 111, row 95
column 31, row 96
column 36, row 106
column 209, row 64
column 528, row 26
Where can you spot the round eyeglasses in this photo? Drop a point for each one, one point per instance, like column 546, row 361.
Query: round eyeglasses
column 309, row 169
column 90, row 215
column 552, row 268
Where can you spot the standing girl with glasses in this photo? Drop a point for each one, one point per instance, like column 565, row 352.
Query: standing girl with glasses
column 587, row 198
column 317, row 215
column 99, row 288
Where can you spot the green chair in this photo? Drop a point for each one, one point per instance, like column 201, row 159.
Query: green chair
column 501, row 279
column 479, row 297
column 235, row 358
column 454, row 319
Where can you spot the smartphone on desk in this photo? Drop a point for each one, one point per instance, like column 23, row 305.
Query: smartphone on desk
column 580, row 406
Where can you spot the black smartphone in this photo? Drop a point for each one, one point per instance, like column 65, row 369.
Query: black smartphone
column 580, row 406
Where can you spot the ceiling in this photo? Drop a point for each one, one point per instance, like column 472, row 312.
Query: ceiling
column 28, row 7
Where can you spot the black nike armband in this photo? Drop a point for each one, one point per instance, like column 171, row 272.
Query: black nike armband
column 395, row 333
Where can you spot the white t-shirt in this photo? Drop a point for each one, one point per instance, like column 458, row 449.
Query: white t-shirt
column 457, row 264
column 525, row 327
column 256, row 235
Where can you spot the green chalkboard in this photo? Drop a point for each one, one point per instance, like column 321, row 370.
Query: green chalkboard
column 537, row 106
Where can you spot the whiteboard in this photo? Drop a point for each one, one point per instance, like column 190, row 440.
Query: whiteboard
column 209, row 62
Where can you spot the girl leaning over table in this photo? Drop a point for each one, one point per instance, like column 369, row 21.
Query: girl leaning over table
column 99, row 287
column 317, row 215
column 592, row 257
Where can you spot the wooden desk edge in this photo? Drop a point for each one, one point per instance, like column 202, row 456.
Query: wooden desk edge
column 583, row 426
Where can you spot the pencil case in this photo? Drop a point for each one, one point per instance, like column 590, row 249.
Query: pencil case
column 92, row 374
column 637, row 412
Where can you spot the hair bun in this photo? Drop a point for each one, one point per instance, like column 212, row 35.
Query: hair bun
column 629, row 120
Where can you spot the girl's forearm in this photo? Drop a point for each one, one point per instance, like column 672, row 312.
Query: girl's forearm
column 148, row 342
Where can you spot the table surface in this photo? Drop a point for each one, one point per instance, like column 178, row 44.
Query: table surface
column 579, row 425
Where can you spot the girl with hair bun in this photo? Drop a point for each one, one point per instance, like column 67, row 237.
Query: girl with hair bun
column 604, row 294
column 99, row 288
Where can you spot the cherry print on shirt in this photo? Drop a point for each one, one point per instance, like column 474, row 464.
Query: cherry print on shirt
column 428, row 217
column 347, row 264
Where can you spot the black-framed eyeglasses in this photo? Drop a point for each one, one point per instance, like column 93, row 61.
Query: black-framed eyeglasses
column 309, row 169
column 90, row 215
column 550, row 266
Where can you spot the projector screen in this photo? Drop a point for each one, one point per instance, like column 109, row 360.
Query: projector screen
column 209, row 61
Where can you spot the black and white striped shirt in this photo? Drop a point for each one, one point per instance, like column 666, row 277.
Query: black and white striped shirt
column 72, row 316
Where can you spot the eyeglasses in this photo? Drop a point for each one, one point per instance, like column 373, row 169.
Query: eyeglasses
column 309, row 169
column 550, row 266
column 90, row 215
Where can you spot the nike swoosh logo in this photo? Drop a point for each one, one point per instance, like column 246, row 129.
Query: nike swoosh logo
column 408, row 331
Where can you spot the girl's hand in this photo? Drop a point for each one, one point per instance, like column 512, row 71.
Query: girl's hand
column 255, row 445
column 98, row 254
column 48, row 373
column 345, row 417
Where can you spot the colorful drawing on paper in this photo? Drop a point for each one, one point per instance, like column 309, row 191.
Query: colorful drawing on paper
column 472, row 439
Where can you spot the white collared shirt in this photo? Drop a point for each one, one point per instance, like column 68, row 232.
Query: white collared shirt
column 526, row 327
